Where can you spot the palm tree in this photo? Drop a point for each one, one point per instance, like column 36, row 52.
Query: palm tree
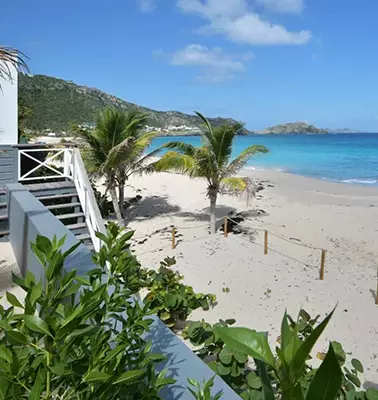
column 10, row 57
column 211, row 161
column 115, row 150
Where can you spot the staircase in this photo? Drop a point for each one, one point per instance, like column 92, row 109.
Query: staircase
column 62, row 200
column 4, row 228
column 65, row 191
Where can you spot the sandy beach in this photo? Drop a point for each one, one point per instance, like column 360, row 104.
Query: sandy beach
column 337, row 217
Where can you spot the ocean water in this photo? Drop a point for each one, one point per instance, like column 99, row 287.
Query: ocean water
column 347, row 158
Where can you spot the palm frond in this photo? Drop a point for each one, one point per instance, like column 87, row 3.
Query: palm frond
column 207, row 133
column 181, row 147
column 239, row 162
column 176, row 162
column 10, row 57
column 224, row 136
column 238, row 186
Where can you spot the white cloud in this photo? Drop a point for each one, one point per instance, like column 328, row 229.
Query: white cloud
column 147, row 6
column 284, row 6
column 214, row 65
column 235, row 20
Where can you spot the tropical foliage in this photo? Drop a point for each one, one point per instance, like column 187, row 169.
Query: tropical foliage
column 212, row 161
column 227, row 352
column 73, row 338
column 115, row 150
column 10, row 57
column 171, row 298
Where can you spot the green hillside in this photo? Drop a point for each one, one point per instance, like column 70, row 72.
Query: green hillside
column 57, row 104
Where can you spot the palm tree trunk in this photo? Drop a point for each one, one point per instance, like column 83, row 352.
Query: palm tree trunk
column 213, row 202
column 121, row 190
column 117, row 210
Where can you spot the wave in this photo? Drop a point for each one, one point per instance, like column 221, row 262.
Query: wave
column 354, row 180
column 248, row 167
column 363, row 181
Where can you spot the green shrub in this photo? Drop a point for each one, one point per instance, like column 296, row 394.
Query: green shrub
column 203, row 391
column 79, row 337
column 171, row 298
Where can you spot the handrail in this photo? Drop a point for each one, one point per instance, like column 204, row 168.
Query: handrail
column 74, row 165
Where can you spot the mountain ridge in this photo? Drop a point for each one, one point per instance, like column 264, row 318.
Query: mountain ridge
column 56, row 104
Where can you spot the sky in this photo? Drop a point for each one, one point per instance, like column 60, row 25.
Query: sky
column 263, row 62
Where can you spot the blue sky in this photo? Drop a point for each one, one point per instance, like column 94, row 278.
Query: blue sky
column 259, row 61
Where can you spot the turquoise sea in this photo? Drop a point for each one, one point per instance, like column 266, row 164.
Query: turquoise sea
column 347, row 158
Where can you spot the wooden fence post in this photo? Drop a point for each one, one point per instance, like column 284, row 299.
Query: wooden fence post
column 322, row 264
column 225, row 227
column 266, row 242
column 376, row 297
column 173, row 237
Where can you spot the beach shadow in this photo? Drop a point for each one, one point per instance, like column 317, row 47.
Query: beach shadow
column 373, row 293
column 203, row 216
column 150, row 207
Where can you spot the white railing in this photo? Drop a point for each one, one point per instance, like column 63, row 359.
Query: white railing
column 74, row 166
column 50, row 171
column 73, row 170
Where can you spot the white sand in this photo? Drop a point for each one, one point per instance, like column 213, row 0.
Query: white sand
column 340, row 218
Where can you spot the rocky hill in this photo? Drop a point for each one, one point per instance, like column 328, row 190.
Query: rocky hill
column 57, row 104
column 293, row 127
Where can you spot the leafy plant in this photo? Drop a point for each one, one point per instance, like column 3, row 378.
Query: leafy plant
column 203, row 391
column 173, row 300
column 78, row 337
column 231, row 365
column 287, row 374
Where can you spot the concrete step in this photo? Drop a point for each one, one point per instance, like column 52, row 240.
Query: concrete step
column 57, row 196
column 64, row 205
column 74, row 227
column 68, row 216
column 83, row 237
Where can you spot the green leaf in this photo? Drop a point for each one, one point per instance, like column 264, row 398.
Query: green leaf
column 225, row 356
column 371, row 394
column 61, row 241
column 96, row 376
column 253, row 380
column 58, row 369
column 357, row 365
column 43, row 244
column 327, row 381
column 16, row 337
column 12, row 299
column 37, row 324
column 339, row 351
column 129, row 376
column 17, row 280
column 299, row 360
column 248, row 341
column 6, row 354
column 35, row 393
column 265, row 380
column 36, row 293
column 223, row 370
column 4, row 384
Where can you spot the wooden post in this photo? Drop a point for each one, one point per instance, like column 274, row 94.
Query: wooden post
column 322, row 264
column 173, row 237
column 376, row 297
column 225, row 227
column 266, row 242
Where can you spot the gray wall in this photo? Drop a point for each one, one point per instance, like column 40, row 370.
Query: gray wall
column 8, row 165
column 28, row 218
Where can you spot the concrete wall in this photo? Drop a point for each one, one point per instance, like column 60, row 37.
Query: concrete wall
column 28, row 218
column 9, row 108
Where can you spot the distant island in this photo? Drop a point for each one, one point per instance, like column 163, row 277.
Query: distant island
column 56, row 104
column 300, row 128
